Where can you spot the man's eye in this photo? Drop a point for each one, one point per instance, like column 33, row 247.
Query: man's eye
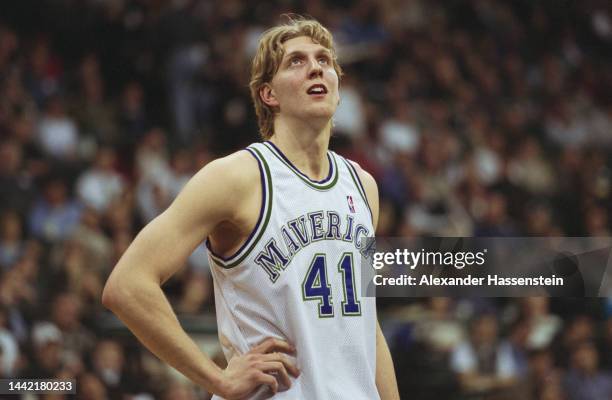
column 324, row 60
column 295, row 61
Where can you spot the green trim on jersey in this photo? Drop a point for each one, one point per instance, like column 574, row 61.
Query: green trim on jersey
column 310, row 183
column 238, row 258
column 357, row 183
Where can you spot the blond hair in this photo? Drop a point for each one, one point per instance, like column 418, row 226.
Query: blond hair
column 269, row 55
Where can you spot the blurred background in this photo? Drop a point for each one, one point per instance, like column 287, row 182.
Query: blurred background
column 476, row 117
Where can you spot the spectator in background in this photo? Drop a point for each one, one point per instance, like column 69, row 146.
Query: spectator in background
column 439, row 326
column 91, row 387
column 544, row 382
column 399, row 133
column 540, row 220
column 18, row 288
column 101, row 186
column 96, row 244
column 349, row 119
column 151, row 156
column 132, row 117
column 108, row 365
column 16, row 189
column 185, row 59
column 16, row 99
column 484, row 364
column 9, row 43
column 518, row 336
column 597, row 221
column 564, row 127
column 55, row 214
column 607, row 343
column 197, row 290
column 495, row 222
column 489, row 157
column 11, row 240
column 182, row 169
column 530, row 170
column 75, row 272
column 44, row 70
column 57, row 132
column 34, row 162
column 154, row 173
column 121, row 217
column 584, row 380
column 9, row 349
column 580, row 329
column 16, row 294
column 96, row 117
column 47, row 350
column 66, row 314
column 121, row 240
column 543, row 325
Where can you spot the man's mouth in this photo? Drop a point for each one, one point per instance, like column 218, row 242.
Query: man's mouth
column 317, row 89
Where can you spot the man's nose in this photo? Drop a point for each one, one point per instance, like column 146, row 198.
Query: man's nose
column 315, row 69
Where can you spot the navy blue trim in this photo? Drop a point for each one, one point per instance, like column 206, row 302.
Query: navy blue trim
column 329, row 175
column 365, row 194
column 261, row 213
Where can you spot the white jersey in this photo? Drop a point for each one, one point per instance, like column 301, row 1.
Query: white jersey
column 297, row 278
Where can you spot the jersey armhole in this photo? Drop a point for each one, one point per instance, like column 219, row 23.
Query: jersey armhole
column 262, row 221
column 358, row 184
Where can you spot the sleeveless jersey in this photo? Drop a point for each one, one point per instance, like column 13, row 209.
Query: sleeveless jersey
column 298, row 278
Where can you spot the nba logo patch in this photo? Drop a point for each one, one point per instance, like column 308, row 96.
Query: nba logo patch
column 351, row 205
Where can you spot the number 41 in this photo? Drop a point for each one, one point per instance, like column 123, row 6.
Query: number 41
column 316, row 286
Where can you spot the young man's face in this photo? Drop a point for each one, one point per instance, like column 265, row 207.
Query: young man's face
column 306, row 83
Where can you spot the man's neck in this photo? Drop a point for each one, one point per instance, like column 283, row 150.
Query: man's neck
column 305, row 145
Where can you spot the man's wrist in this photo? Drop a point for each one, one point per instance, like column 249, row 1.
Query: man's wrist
column 218, row 383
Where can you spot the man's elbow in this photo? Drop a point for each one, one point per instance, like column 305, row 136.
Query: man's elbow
column 112, row 294
column 123, row 289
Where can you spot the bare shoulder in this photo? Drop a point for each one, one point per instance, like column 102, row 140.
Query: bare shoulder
column 216, row 192
column 368, row 181
column 237, row 171
column 370, row 187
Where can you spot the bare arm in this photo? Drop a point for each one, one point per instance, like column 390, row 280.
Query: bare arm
column 385, row 372
column 133, row 291
column 386, row 382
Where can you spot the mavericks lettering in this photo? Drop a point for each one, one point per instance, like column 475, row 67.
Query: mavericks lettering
column 300, row 232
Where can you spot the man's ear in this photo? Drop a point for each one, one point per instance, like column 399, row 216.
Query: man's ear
column 266, row 93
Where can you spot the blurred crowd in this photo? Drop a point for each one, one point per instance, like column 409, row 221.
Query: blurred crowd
column 476, row 117
column 494, row 349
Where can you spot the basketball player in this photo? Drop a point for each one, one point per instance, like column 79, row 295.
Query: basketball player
column 284, row 222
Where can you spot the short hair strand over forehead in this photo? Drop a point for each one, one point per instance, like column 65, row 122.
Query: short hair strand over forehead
column 269, row 55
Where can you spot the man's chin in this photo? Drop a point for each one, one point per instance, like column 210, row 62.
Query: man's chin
column 323, row 112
